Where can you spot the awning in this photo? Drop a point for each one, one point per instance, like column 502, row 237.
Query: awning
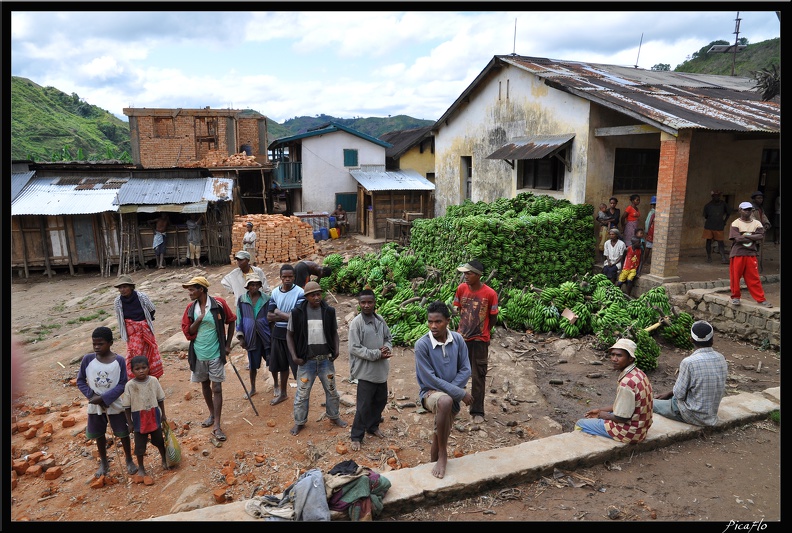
column 196, row 207
column 533, row 147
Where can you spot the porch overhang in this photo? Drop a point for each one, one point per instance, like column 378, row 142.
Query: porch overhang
column 535, row 147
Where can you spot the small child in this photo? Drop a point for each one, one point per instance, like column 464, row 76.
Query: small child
column 142, row 397
column 102, row 378
column 639, row 232
column 632, row 263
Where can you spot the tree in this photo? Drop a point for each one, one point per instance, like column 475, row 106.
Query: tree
column 769, row 83
column 662, row 66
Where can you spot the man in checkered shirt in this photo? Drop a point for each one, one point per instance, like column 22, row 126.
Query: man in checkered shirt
column 629, row 418
column 700, row 385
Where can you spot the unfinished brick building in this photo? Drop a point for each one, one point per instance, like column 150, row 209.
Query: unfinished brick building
column 163, row 138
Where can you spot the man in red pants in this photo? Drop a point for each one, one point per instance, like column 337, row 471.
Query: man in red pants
column 746, row 233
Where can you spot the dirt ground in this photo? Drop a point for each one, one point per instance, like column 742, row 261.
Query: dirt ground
column 732, row 475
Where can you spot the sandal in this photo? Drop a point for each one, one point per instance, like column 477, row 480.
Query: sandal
column 765, row 304
column 219, row 435
column 208, row 422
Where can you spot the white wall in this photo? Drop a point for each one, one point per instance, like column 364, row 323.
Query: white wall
column 323, row 169
column 490, row 120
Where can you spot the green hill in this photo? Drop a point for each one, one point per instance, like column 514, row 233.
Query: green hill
column 754, row 58
column 47, row 125
column 374, row 126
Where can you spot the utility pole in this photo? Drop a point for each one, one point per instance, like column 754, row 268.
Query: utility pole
column 736, row 40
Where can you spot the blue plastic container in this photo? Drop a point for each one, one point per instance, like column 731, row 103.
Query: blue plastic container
column 332, row 221
column 317, row 234
column 325, row 233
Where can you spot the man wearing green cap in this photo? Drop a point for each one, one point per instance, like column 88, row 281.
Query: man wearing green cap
column 210, row 344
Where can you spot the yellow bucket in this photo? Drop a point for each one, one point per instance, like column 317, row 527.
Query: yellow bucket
column 333, row 233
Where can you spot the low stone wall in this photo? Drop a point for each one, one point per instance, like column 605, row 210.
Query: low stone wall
column 709, row 300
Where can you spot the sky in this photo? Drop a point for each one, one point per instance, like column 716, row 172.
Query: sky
column 346, row 63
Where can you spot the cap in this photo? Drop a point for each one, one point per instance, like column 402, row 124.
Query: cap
column 757, row 193
column 653, row 200
column 249, row 224
column 746, row 205
column 701, row 331
column 251, row 277
column 715, row 192
column 197, row 280
column 473, row 266
column 124, row 280
column 625, row 344
column 242, row 254
column 310, row 287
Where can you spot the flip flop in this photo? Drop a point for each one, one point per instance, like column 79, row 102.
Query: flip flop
column 208, row 422
column 219, row 435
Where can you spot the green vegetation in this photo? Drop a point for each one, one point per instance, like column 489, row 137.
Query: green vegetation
column 38, row 333
column 754, row 58
column 374, row 126
column 775, row 417
column 50, row 125
column 88, row 318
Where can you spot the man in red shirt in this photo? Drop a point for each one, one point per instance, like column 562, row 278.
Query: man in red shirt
column 478, row 306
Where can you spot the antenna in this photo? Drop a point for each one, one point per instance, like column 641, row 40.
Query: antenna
column 514, row 45
column 639, row 51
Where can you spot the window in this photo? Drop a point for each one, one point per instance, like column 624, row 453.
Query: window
column 430, row 176
column 547, row 173
column 635, row 170
column 350, row 157
column 163, row 127
column 466, row 163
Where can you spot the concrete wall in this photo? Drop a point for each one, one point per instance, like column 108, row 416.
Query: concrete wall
column 413, row 159
column 492, row 118
column 323, row 170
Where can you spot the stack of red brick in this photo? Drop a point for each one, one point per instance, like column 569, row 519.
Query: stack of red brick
column 279, row 239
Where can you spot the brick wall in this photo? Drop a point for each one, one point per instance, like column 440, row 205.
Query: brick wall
column 168, row 142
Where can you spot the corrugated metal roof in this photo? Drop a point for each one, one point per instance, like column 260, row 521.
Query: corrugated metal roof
column 532, row 147
column 162, row 191
column 18, row 182
column 328, row 127
column 670, row 101
column 403, row 140
column 392, row 180
column 43, row 196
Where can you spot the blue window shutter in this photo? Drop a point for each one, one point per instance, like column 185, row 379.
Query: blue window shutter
column 350, row 158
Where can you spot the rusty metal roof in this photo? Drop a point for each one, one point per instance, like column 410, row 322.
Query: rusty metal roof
column 670, row 101
column 160, row 191
column 45, row 196
column 391, row 180
column 403, row 140
column 532, row 147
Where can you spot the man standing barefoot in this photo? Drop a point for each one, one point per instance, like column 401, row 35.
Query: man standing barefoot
column 442, row 369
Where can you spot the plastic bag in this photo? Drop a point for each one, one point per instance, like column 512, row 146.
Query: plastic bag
column 603, row 237
column 172, row 446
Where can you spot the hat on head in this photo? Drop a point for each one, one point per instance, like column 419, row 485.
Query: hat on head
column 715, row 192
column 702, row 331
column 757, row 193
column 242, row 254
column 625, row 344
column 473, row 266
column 746, row 205
column 310, row 287
column 249, row 224
column 124, row 280
column 197, row 280
column 251, row 277
column 653, row 200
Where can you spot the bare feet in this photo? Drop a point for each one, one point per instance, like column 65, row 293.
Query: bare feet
column 338, row 422
column 131, row 466
column 250, row 394
column 377, row 433
column 440, row 467
column 104, row 468
column 165, row 465
column 296, row 429
column 478, row 419
column 278, row 399
column 355, row 446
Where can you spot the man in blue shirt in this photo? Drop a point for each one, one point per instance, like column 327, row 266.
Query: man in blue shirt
column 442, row 368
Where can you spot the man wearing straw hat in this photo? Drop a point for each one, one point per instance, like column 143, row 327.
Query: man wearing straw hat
column 204, row 324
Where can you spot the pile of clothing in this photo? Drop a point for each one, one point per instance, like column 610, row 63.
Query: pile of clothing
column 348, row 487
